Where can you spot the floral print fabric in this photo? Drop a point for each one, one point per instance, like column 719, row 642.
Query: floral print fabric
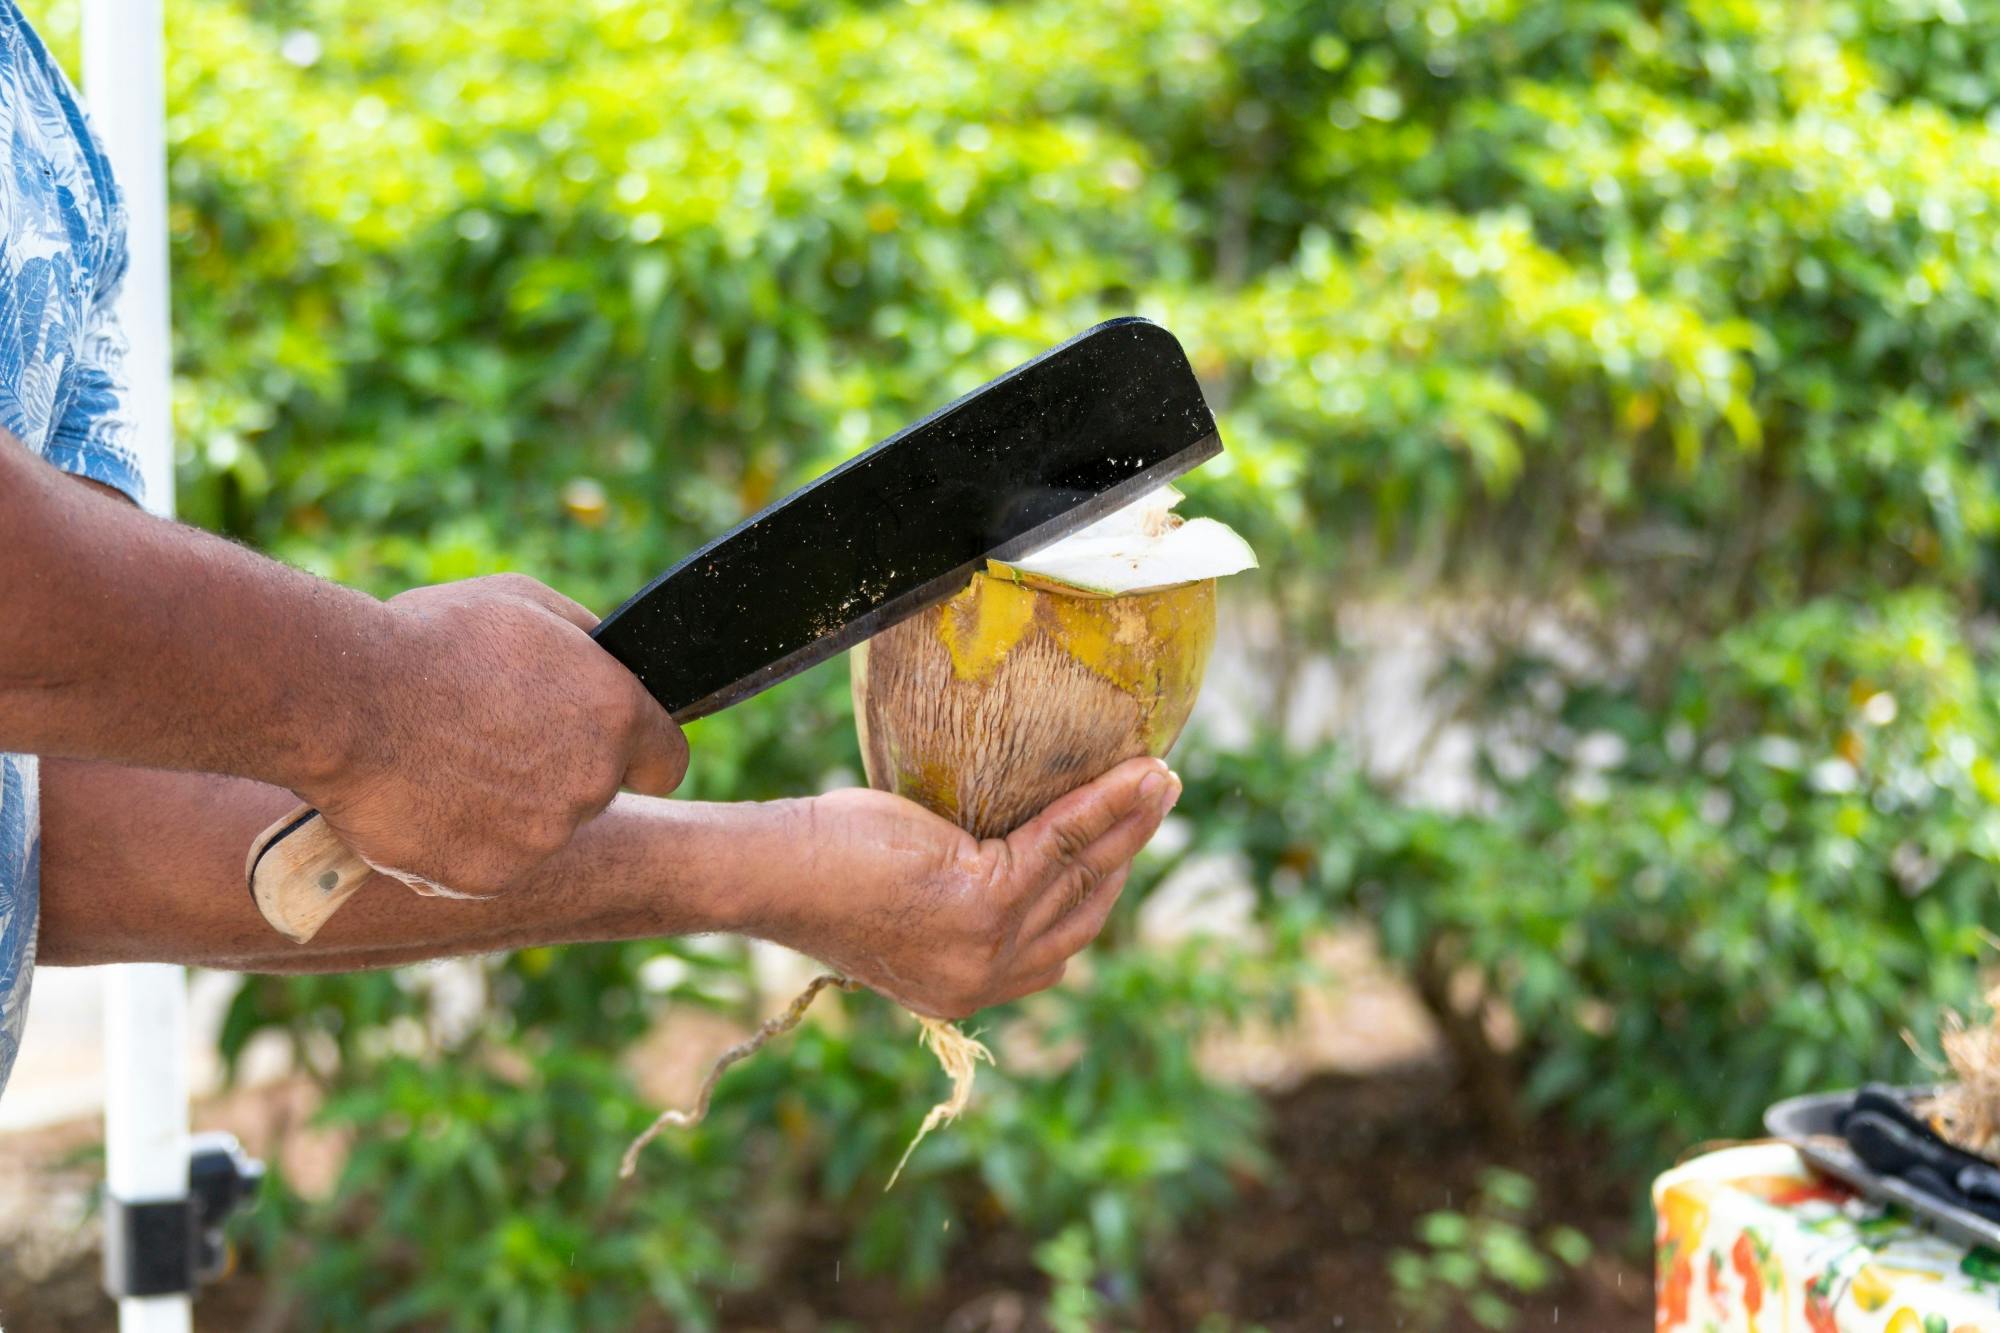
column 1748, row 1240
column 62, row 256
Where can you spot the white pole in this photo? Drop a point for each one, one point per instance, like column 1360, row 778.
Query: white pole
column 145, row 1027
column 124, row 79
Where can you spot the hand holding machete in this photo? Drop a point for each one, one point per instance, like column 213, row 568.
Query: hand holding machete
column 520, row 729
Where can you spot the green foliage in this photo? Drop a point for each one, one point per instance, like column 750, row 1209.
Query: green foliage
column 1074, row 1305
column 1789, row 866
column 1670, row 326
column 474, row 1198
column 1474, row 1261
column 1751, row 890
column 481, row 1190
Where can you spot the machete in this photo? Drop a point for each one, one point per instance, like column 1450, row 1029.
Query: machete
column 1081, row 430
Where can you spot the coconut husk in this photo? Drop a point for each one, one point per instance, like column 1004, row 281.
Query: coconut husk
column 960, row 1056
column 742, row 1050
column 1010, row 695
column 1965, row 1112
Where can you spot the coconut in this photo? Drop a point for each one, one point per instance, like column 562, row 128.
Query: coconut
column 1039, row 675
column 1046, row 671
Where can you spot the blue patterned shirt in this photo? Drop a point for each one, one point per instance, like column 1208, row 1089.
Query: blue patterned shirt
column 62, row 254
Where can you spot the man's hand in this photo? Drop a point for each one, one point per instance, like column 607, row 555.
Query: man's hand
column 920, row 910
column 498, row 728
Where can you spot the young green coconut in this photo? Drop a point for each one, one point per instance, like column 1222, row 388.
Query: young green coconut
column 1048, row 671
column 1043, row 673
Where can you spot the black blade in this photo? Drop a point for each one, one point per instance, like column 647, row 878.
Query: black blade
column 1073, row 434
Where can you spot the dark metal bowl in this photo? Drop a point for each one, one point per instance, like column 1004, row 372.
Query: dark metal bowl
column 1811, row 1125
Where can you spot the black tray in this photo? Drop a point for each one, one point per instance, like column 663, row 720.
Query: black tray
column 1808, row 1124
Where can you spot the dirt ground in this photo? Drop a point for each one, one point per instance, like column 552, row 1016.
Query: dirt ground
column 1359, row 1159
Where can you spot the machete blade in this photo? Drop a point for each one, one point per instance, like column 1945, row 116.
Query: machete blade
column 1045, row 449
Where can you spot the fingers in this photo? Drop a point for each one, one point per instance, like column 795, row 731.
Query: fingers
column 957, row 925
column 1074, row 931
column 1042, row 962
column 657, row 759
column 1060, row 833
column 659, row 755
column 1077, row 877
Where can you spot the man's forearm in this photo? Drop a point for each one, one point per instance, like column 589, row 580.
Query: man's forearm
column 126, row 637
column 141, row 865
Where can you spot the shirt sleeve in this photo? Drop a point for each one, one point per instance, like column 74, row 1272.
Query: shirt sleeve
column 94, row 437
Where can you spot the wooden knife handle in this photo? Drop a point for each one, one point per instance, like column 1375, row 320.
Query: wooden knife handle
column 300, row 873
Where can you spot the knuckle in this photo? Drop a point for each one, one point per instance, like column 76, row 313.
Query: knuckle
column 1078, row 883
column 633, row 702
column 677, row 751
column 675, row 774
column 605, row 697
column 1070, row 841
column 511, row 583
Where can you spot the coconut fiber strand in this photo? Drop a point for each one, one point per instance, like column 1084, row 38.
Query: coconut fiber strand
column 956, row 1052
column 1966, row 1112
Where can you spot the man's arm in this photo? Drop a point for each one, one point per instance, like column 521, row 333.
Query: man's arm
column 459, row 733
column 109, row 619
column 143, row 865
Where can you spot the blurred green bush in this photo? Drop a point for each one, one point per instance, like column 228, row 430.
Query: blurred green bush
column 1669, row 324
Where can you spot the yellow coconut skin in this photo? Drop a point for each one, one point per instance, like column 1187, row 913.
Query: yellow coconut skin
column 1015, row 692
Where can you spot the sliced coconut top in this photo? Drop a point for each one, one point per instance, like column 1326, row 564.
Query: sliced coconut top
column 1138, row 548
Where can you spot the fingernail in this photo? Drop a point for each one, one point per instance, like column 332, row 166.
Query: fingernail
column 1175, row 795
column 1151, row 786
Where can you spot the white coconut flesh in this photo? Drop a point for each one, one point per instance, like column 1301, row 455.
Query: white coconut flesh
column 1140, row 548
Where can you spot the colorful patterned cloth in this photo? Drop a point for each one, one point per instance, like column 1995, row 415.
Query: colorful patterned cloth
column 62, row 255
column 1749, row 1240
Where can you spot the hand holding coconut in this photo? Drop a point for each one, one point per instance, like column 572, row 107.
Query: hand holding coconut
column 947, row 924
column 998, row 711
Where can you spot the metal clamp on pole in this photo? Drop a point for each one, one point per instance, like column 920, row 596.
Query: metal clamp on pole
column 165, row 1247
